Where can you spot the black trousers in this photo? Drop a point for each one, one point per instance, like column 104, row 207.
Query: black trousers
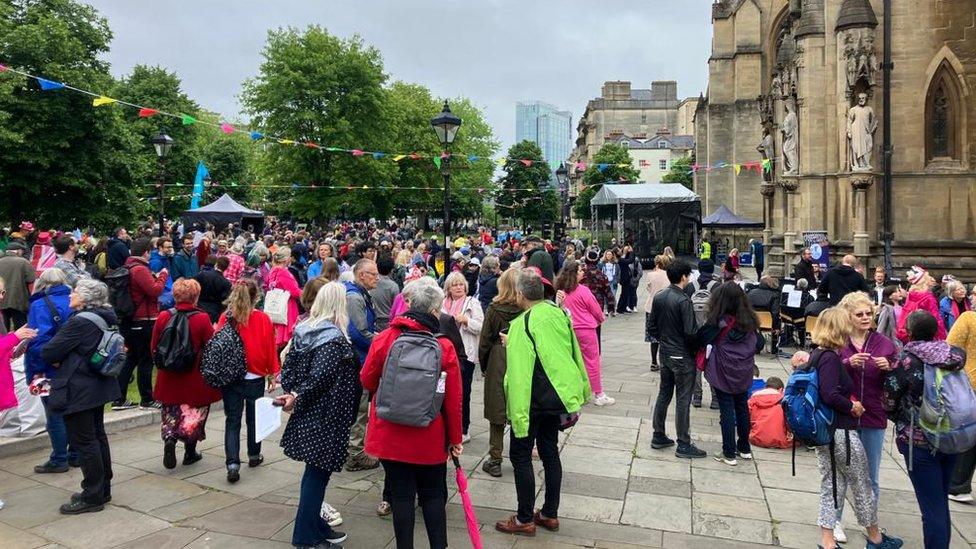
column 962, row 473
column 86, row 434
column 628, row 297
column 239, row 399
column 138, row 339
column 544, row 434
column 14, row 319
column 467, row 378
column 408, row 482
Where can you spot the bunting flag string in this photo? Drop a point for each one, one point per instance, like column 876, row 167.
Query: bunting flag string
column 226, row 127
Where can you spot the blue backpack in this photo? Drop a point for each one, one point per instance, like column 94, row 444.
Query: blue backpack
column 807, row 417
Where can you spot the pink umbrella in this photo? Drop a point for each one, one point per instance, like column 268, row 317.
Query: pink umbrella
column 474, row 529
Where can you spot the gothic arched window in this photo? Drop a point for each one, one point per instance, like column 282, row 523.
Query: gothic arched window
column 941, row 116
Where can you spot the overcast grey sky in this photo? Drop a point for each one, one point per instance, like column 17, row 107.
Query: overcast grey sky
column 495, row 52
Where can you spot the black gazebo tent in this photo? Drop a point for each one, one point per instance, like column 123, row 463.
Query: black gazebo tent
column 223, row 211
column 724, row 218
column 650, row 215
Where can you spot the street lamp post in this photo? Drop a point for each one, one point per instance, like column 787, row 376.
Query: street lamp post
column 162, row 143
column 446, row 125
column 562, row 175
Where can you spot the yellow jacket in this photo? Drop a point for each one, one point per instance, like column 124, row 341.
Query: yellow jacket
column 963, row 335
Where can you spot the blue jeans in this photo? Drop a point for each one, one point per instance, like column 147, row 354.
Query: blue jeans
column 931, row 475
column 733, row 410
column 310, row 529
column 873, row 442
column 61, row 454
column 239, row 399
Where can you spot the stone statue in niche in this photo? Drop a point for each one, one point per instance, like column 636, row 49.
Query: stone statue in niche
column 861, row 125
column 766, row 150
column 790, row 130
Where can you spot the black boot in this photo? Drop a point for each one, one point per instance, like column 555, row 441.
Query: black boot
column 169, row 454
column 191, row 456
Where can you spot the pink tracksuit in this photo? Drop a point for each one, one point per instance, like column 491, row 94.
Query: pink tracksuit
column 587, row 315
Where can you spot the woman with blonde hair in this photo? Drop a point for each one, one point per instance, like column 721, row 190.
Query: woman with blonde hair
column 844, row 460
column 280, row 278
column 467, row 312
column 257, row 335
column 868, row 357
column 491, row 355
column 184, row 396
column 319, row 377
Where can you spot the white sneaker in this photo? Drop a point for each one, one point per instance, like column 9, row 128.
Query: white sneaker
column 466, row 438
column 1, row 504
column 839, row 535
column 961, row 498
column 746, row 456
column 603, row 400
column 331, row 515
column 728, row 461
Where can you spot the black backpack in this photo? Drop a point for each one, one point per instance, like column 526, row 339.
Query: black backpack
column 223, row 360
column 119, row 294
column 174, row 351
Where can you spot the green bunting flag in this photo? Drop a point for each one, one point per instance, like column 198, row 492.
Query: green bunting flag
column 437, row 162
column 187, row 119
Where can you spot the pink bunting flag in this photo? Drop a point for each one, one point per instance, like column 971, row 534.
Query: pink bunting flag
column 226, row 128
column 581, row 166
column 445, row 155
column 414, row 156
column 146, row 112
column 3, row 68
column 528, row 163
column 357, row 152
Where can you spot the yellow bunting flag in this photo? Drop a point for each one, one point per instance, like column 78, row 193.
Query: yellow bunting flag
column 738, row 168
column 102, row 100
column 286, row 142
column 399, row 157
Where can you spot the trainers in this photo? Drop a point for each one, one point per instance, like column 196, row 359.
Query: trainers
column 726, row 460
column 661, row 441
column 49, row 467
column 336, row 537
column 122, row 405
column 887, row 542
column 745, row 455
column 961, row 498
column 839, row 535
column 383, row 509
column 151, row 405
column 603, row 400
column 493, row 467
column 690, row 451
column 330, row 515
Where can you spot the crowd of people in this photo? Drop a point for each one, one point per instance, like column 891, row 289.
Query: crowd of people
column 328, row 322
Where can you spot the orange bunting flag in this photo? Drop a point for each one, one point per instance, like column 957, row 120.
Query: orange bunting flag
column 102, row 100
column 414, row 156
column 311, row 145
column 146, row 112
column 528, row 163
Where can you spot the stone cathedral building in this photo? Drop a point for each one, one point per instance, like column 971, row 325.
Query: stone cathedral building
column 801, row 82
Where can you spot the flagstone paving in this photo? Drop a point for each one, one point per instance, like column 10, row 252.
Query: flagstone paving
column 617, row 491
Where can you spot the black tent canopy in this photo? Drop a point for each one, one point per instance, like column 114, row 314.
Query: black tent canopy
column 223, row 211
column 726, row 218
column 649, row 215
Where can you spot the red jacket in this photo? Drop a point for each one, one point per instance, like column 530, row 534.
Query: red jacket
column 145, row 288
column 185, row 387
column 259, row 343
column 768, row 429
column 418, row 445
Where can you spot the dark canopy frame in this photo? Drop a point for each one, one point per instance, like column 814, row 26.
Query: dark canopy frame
column 651, row 216
column 724, row 218
column 223, row 211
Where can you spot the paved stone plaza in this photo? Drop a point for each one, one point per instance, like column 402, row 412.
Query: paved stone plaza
column 617, row 492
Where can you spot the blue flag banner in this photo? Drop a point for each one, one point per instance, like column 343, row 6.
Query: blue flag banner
column 202, row 173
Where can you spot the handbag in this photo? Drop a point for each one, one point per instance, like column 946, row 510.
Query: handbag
column 276, row 305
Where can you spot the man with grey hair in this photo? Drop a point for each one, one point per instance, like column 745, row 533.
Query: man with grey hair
column 19, row 274
column 545, row 386
column 362, row 330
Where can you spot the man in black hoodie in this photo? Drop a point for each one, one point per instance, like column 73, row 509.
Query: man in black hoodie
column 843, row 280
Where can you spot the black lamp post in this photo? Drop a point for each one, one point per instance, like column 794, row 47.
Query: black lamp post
column 162, row 143
column 562, row 175
column 446, row 125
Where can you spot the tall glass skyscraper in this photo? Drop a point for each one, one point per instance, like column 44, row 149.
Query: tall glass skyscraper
column 548, row 127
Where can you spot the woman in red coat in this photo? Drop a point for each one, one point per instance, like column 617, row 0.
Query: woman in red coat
column 186, row 399
column 415, row 458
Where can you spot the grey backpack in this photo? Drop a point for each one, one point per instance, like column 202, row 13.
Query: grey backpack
column 699, row 300
column 110, row 355
column 410, row 390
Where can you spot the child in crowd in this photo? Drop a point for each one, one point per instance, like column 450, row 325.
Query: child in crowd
column 768, row 429
column 758, row 383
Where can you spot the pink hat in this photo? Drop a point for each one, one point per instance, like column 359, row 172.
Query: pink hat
column 44, row 238
column 27, row 226
column 915, row 274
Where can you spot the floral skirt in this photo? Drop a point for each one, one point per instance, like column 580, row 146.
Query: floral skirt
column 184, row 423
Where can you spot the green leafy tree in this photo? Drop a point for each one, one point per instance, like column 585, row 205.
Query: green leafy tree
column 62, row 161
column 229, row 160
column 617, row 166
column 524, row 191
column 313, row 86
column 681, row 173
